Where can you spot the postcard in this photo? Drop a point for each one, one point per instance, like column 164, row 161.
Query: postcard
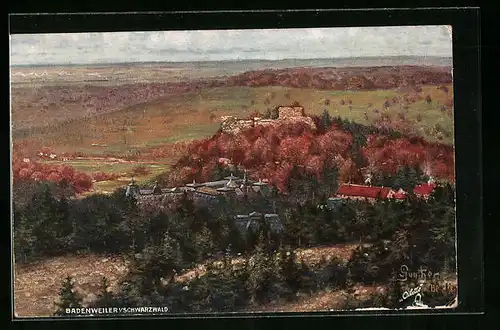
column 233, row 171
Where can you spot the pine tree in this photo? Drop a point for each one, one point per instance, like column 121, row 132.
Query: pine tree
column 64, row 228
column 68, row 297
column 203, row 243
column 306, row 279
column 41, row 213
column 326, row 118
column 274, row 113
column 105, row 297
column 288, row 270
column 259, row 273
column 24, row 240
column 226, row 290
column 395, row 294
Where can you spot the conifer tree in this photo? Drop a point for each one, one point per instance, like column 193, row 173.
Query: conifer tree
column 288, row 270
column 105, row 297
column 40, row 213
column 68, row 297
column 327, row 120
column 274, row 113
column 64, row 228
column 395, row 293
column 259, row 272
column 203, row 243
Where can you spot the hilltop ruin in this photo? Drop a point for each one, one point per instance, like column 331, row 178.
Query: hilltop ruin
column 286, row 114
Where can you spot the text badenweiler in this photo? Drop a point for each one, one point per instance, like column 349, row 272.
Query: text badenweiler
column 115, row 310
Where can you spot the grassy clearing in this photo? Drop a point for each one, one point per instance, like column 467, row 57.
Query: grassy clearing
column 90, row 166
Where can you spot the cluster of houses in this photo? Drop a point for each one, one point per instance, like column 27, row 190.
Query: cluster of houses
column 47, row 155
column 234, row 187
column 230, row 187
column 372, row 193
column 210, row 192
column 253, row 220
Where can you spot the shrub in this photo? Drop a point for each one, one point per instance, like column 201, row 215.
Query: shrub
column 140, row 170
column 103, row 176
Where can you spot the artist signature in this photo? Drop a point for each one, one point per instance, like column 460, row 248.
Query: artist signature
column 414, row 292
column 421, row 274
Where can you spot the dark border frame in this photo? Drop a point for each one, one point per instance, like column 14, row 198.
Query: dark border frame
column 467, row 92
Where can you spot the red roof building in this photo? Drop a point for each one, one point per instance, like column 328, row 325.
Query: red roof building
column 399, row 195
column 355, row 191
column 424, row 189
column 360, row 191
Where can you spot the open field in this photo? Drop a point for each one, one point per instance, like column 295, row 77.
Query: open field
column 36, row 285
column 111, row 75
column 192, row 115
column 47, row 96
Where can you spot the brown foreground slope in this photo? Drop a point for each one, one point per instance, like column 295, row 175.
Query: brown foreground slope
column 36, row 285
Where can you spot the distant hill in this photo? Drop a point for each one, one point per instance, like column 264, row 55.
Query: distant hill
column 345, row 78
column 44, row 102
column 246, row 65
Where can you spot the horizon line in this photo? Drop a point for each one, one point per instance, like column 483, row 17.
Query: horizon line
column 230, row 60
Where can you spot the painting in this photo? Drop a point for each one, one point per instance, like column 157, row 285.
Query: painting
column 233, row 171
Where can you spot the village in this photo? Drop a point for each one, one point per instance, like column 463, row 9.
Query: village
column 235, row 188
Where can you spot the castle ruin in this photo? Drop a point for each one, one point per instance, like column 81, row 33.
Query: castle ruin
column 286, row 114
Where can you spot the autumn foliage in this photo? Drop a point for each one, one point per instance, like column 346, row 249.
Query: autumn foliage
column 350, row 78
column 278, row 153
column 388, row 155
column 103, row 176
column 24, row 170
column 269, row 152
column 139, row 170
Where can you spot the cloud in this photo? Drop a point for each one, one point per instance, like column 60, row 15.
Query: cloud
column 229, row 44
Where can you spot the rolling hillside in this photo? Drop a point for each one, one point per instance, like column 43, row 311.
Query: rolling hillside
column 193, row 115
column 37, row 284
column 143, row 121
column 44, row 96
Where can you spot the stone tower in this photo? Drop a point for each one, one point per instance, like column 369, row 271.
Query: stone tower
column 132, row 189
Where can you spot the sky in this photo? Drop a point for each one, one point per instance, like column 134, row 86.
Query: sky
column 213, row 45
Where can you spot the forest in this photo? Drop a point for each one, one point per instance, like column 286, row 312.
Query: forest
column 163, row 244
column 255, row 267
column 294, row 150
